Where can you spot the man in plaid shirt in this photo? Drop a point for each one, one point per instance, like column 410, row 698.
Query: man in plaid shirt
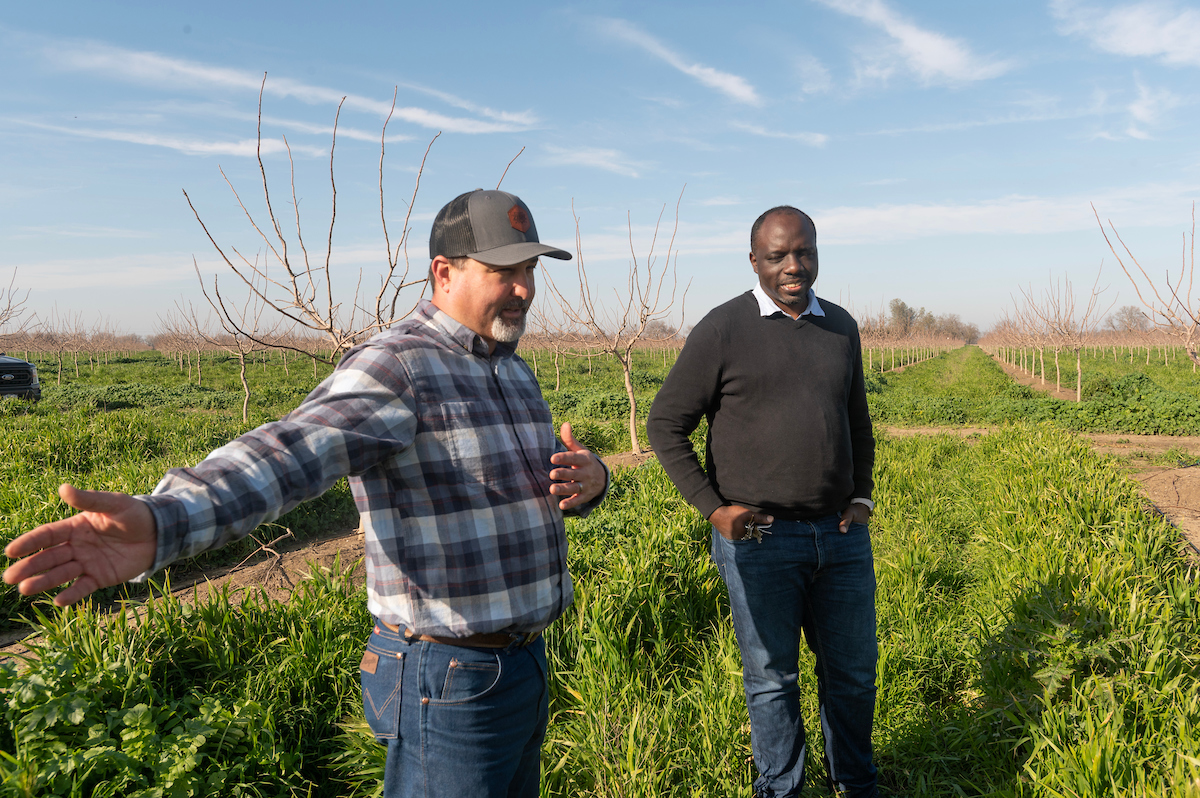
column 461, row 486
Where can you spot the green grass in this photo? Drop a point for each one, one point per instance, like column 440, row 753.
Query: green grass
column 965, row 386
column 1168, row 368
column 122, row 427
column 1038, row 636
column 1038, row 630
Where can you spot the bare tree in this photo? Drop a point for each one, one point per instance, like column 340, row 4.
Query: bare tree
column 1066, row 326
column 304, row 293
column 12, row 310
column 619, row 332
column 1172, row 306
column 59, row 334
column 234, row 320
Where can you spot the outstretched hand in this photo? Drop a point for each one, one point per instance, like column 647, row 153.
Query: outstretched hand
column 580, row 476
column 113, row 539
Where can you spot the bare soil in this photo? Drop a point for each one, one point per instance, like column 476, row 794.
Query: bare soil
column 1046, row 387
column 1173, row 492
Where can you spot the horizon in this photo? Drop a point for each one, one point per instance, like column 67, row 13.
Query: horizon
column 950, row 155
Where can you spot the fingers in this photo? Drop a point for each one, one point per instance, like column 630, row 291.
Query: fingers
column 41, row 562
column 45, row 536
column 568, row 439
column 80, row 588
column 97, row 501
column 855, row 513
column 52, row 579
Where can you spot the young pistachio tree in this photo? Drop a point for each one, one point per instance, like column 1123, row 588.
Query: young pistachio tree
column 233, row 319
column 1065, row 324
column 1173, row 306
column 12, row 311
column 644, row 301
column 302, row 289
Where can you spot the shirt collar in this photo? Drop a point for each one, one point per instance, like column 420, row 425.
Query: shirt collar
column 461, row 334
column 767, row 306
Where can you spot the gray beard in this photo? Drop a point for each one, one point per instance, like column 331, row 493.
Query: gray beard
column 507, row 332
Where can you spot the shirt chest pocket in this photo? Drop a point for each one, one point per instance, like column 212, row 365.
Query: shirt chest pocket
column 477, row 440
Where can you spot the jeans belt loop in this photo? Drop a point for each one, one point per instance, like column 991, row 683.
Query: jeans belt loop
column 505, row 640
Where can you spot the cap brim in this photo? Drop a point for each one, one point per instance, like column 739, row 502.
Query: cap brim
column 510, row 254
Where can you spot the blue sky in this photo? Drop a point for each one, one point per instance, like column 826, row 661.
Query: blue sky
column 948, row 151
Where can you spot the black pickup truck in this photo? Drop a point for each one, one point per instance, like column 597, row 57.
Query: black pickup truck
column 18, row 378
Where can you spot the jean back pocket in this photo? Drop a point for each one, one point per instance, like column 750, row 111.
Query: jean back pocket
column 381, row 672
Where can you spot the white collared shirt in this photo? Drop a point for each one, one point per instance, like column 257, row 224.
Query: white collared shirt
column 767, row 306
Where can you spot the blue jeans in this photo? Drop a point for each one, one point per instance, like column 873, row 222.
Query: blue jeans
column 805, row 576
column 457, row 721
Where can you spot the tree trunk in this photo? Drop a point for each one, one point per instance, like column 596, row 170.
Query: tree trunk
column 633, row 436
column 557, row 371
column 245, row 388
column 1078, row 375
column 1042, row 353
column 1057, row 373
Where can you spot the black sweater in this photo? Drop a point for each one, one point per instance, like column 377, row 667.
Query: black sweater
column 788, row 428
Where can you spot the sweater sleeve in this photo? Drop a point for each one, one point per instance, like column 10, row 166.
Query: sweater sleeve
column 862, row 439
column 689, row 392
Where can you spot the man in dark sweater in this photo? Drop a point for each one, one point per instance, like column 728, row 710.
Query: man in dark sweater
column 787, row 486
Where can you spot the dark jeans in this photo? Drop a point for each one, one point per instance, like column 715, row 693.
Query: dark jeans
column 805, row 576
column 457, row 721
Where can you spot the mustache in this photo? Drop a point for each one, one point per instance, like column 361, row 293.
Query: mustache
column 518, row 304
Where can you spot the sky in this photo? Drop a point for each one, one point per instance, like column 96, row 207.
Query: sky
column 950, row 153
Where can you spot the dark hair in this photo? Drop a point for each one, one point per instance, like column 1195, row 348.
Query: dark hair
column 758, row 223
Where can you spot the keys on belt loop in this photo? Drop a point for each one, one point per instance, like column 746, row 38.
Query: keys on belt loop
column 755, row 530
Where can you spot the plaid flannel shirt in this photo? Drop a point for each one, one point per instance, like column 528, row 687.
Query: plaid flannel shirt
column 448, row 453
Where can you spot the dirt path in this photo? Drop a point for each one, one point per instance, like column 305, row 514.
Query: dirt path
column 1036, row 382
column 1174, row 492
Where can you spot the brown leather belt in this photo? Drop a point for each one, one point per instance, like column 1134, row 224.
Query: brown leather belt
column 487, row 640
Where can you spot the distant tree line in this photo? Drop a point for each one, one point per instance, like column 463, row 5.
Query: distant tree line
column 902, row 321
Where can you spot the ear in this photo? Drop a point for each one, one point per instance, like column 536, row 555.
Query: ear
column 753, row 262
column 442, row 271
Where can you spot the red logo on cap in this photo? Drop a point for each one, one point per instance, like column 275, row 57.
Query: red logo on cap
column 519, row 219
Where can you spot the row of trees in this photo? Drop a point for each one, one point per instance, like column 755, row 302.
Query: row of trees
column 1063, row 320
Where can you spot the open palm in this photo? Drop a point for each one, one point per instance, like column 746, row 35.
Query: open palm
column 113, row 539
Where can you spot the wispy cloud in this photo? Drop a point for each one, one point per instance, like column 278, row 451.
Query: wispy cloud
column 969, row 124
column 125, row 270
column 523, row 119
column 811, row 139
column 933, row 56
column 76, row 231
column 157, row 69
column 1148, row 109
column 1148, row 205
column 244, row 148
column 595, row 157
column 159, row 111
column 814, row 77
column 732, row 86
column 1148, row 29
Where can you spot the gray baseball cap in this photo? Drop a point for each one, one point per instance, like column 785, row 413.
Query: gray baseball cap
column 492, row 227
